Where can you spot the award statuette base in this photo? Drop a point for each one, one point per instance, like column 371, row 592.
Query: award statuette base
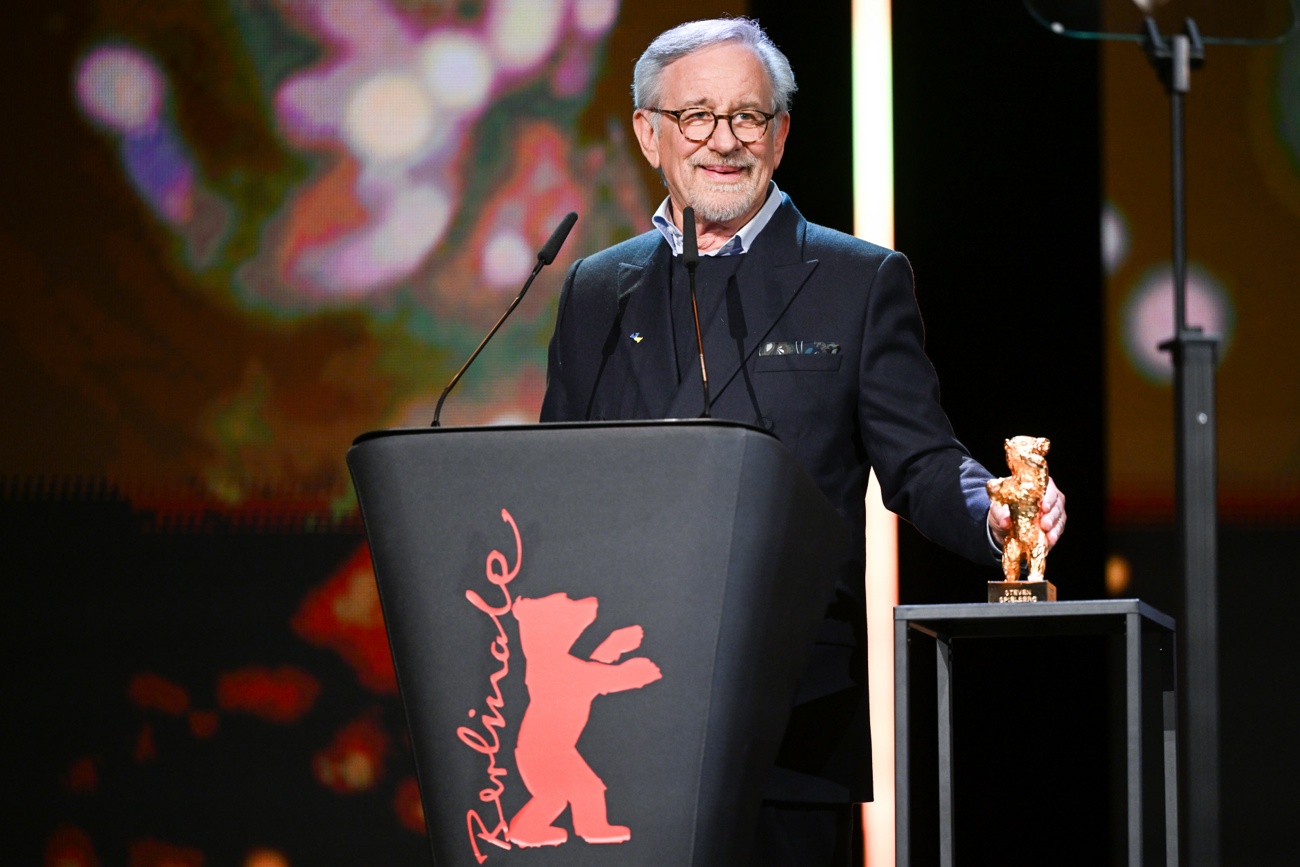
column 1022, row 591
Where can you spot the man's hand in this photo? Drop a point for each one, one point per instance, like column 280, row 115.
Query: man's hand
column 1051, row 517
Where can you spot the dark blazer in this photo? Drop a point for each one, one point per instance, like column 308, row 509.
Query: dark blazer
column 872, row 404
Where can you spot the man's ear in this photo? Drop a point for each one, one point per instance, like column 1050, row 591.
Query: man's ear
column 778, row 138
column 646, row 136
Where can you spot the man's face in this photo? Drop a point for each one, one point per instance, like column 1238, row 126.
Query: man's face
column 723, row 179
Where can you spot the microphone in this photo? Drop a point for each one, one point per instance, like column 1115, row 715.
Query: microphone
column 551, row 248
column 545, row 256
column 691, row 259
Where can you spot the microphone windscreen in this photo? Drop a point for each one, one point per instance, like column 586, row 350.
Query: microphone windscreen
column 552, row 248
column 690, row 247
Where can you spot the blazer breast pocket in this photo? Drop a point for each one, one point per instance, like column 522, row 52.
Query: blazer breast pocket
column 818, row 361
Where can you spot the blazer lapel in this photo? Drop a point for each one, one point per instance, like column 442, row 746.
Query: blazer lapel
column 645, row 337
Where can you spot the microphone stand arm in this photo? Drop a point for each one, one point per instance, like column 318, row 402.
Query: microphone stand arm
column 541, row 262
column 1194, row 356
column 699, row 338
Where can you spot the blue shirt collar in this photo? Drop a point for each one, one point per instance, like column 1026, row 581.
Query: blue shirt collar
column 738, row 243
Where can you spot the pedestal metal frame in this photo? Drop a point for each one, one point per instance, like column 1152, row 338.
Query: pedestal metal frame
column 945, row 623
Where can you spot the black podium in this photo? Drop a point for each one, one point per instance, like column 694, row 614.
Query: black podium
column 604, row 622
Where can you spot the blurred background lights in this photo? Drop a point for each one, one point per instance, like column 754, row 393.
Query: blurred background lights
column 512, row 418
column 594, row 17
column 1148, row 318
column 1119, row 575
column 507, row 259
column 415, row 222
column 457, row 70
column 266, row 858
column 523, row 32
column 389, row 118
column 1115, row 238
column 120, row 87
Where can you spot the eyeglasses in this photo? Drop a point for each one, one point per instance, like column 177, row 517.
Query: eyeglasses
column 698, row 124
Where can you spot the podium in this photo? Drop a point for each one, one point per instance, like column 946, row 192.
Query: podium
column 597, row 629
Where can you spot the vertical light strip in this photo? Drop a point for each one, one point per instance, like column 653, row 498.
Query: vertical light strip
column 873, row 122
column 873, row 219
column 882, row 596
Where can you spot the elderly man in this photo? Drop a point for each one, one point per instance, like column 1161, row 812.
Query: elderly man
column 809, row 333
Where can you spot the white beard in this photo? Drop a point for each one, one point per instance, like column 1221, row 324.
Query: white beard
column 722, row 203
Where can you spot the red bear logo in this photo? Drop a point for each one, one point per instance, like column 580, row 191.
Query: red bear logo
column 561, row 688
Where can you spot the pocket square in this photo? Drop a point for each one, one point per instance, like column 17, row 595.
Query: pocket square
column 799, row 347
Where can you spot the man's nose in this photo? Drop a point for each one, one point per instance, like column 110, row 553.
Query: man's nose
column 723, row 139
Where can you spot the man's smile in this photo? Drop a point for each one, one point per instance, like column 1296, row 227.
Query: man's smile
column 723, row 172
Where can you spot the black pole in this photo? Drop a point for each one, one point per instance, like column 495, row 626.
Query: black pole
column 1194, row 357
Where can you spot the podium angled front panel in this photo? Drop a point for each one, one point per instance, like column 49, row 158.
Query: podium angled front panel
column 671, row 578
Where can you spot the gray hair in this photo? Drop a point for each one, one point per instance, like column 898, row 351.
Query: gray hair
column 684, row 39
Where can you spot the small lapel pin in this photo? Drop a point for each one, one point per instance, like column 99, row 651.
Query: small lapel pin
column 636, row 336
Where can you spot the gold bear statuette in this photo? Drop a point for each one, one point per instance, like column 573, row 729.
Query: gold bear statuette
column 1022, row 492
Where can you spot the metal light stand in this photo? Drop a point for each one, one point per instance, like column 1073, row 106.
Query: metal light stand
column 1194, row 357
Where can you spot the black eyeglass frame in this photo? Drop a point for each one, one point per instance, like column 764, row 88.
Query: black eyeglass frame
column 677, row 117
